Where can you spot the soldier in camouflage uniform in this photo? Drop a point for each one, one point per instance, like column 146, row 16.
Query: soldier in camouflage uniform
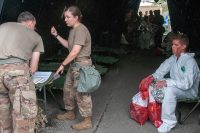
column 79, row 45
column 20, row 48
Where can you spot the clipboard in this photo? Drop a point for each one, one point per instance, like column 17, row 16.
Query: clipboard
column 42, row 78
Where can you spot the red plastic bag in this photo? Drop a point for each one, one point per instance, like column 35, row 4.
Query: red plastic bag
column 144, row 86
column 154, row 111
column 138, row 109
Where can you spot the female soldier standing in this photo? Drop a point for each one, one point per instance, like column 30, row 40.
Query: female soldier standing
column 79, row 46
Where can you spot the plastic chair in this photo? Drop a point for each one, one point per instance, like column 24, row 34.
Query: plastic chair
column 181, row 119
column 197, row 100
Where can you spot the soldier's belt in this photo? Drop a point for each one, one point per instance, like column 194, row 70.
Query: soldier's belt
column 11, row 61
column 82, row 58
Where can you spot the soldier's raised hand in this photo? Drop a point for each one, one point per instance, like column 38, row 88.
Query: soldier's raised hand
column 54, row 31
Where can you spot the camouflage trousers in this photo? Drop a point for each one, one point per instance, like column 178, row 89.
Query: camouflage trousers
column 18, row 107
column 71, row 96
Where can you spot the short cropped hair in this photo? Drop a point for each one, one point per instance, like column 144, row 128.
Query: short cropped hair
column 25, row 16
column 181, row 37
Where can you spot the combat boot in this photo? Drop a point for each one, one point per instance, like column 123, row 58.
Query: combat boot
column 85, row 124
column 70, row 115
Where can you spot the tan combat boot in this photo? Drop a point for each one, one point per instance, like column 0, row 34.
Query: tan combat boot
column 85, row 124
column 70, row 115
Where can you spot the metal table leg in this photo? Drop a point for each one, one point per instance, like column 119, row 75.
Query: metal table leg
column 45, row 99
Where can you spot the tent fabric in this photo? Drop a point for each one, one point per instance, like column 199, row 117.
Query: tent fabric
column 134, row 4
column 1, row 7
column 184, row 15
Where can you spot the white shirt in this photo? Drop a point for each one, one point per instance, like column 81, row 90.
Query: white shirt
column 184, row 72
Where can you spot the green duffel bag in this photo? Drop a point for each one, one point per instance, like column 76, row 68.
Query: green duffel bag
column 89, row 79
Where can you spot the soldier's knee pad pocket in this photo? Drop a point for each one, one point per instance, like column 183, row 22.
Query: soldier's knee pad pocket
column 28, row 104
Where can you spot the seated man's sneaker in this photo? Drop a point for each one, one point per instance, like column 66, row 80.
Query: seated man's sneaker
column 164, row 128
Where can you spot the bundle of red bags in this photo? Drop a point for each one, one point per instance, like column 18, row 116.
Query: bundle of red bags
column 154, row 111
column 143, row 105
column 138, row 109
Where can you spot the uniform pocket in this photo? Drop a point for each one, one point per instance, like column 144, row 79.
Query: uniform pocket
column 16, row 73
column 28, row 104
column 75, row 76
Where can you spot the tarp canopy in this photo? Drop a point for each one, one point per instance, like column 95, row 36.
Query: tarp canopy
column 134, row 4
column 103, row 16
column 1, row 5
column 185, row 17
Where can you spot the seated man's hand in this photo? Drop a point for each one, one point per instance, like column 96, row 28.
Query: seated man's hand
column 160, row 84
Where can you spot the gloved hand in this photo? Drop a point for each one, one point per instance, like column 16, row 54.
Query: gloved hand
column 160, row 84
column 144, row 86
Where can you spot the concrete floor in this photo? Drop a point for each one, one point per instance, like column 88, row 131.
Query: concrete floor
column 111, row 101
